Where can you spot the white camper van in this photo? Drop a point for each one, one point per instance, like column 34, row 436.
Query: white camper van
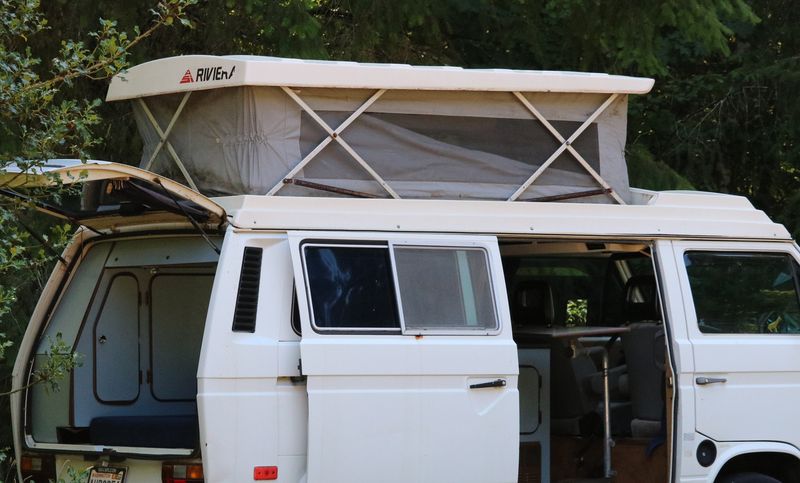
column 404, row 274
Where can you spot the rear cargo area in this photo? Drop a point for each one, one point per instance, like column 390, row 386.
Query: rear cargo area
column 134, row 309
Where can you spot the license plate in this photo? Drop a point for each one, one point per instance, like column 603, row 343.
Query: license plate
column 107, row 474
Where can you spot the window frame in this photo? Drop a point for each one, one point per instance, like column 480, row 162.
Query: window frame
column 307, row 287
column 793, row 264
column 681, row 247
column 443, row 331
column 390, row 244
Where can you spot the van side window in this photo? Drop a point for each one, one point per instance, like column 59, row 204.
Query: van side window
column 363, row 287
column 351, row 287
column 744, row 293
column 445, row 288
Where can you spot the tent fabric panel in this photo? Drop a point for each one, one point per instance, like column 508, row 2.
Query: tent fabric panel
column 244, row 140
column 232, row 141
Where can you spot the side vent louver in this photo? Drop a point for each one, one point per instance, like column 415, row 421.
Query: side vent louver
column 244, row 315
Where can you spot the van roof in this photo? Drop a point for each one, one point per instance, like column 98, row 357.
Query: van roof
column 667, row 214
column 201, row 72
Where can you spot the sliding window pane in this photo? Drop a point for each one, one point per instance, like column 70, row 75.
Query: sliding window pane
column 445, row 288
column 351, row 287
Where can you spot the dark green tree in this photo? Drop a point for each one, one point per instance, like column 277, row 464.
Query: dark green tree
column 729, row 123
column 43, row 118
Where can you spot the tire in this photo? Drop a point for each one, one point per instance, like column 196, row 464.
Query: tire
column 748, row 478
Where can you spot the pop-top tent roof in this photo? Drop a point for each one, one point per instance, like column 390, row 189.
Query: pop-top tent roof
column 263, row 125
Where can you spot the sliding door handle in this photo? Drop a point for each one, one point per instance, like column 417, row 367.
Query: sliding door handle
column 702, row 381
column 495, row 383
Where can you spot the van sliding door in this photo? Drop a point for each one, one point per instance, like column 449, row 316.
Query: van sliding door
column 412, row 370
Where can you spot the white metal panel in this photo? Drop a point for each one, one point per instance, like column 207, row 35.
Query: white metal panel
column 242, row 401
column 238, row 427
column 399, row 407
column 762, row 371
column 169, row 75
column 674, row 215
column 684, row 439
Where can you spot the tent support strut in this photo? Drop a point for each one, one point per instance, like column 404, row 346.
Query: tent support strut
column 566, row 145
column 164, row 135
column 334, row 135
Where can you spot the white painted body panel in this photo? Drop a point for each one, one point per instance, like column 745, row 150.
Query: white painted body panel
column 762, row 370
column 253, row 414
column 241, row 375
column 664, row 215
column 396, row 408
column 754, row 410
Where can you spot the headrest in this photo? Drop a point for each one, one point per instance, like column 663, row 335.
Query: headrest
column 532, row 304
column 641, row 299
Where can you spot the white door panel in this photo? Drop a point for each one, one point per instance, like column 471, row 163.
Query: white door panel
column 394, row 407
column 752, row 380
column 405, row 355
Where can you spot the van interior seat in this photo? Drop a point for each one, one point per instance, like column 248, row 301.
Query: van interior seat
column 644, row 348
column 532, row 305
column 177, row 431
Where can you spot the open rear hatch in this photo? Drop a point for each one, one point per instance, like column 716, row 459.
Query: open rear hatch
column 111, row 195
column 135, row 394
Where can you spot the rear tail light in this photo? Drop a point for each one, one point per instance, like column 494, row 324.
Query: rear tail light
column 181, row 473
column 38, row 467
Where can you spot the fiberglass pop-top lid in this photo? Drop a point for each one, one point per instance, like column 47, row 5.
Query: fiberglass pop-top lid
column 261, row 125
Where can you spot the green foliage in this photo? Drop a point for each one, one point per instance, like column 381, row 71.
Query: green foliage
column 59, row 362
column 722, row 117
column 73, row 475
column 577, row 312
column 644, row 171
column 42, row 118
column 729, row 123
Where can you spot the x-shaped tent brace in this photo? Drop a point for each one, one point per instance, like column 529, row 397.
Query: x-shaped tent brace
column 335, row 135
column 164, row 134
column 566, row 144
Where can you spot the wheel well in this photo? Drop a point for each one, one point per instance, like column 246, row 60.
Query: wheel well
column 781, row 466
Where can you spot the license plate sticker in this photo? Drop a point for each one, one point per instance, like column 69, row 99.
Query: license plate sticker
column 107, row 474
